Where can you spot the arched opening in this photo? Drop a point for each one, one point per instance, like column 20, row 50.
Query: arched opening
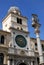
column 22, row 64
column 2, row 39
column 1, row 58
column 21, row 28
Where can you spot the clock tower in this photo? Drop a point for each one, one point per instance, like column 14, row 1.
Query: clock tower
column 19, row 52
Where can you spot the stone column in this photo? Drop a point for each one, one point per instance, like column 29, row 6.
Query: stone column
column 31, row 63
column 39, row 48
column 13, row 62
column 5, row 59
column 5, row 41
column 8, row 63
column 36, row 61
column 36, row 26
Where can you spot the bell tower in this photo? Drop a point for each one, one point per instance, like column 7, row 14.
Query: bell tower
column 16, row 24
column 15, row 20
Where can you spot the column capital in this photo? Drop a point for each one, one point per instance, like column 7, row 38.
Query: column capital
column 37, row 31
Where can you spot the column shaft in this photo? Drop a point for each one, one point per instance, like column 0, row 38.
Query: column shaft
column 5, row 59
column 39, row 48
column 13, row 62
column 8, row 62
column 31, row 63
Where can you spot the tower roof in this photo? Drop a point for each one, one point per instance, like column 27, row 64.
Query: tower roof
column 15, row 10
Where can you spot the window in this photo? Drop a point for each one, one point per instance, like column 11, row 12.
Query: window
column 19, row 20
column 35, row 46
column 42, row 47
column 38, row 60
column 2, row 39
column 1, row 58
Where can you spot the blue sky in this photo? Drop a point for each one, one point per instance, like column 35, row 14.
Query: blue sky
column 27, row 7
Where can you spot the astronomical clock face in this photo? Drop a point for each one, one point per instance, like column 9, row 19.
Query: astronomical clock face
column 20, row 41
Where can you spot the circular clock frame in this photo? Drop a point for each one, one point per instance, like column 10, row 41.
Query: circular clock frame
column 21, row 41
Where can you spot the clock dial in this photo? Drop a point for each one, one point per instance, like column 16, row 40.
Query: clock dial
column 20, row 41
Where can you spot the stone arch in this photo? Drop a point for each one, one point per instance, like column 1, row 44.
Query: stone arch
column 22, row 63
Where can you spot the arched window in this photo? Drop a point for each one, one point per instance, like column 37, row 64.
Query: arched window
column 2, row 39
column 1, row 58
